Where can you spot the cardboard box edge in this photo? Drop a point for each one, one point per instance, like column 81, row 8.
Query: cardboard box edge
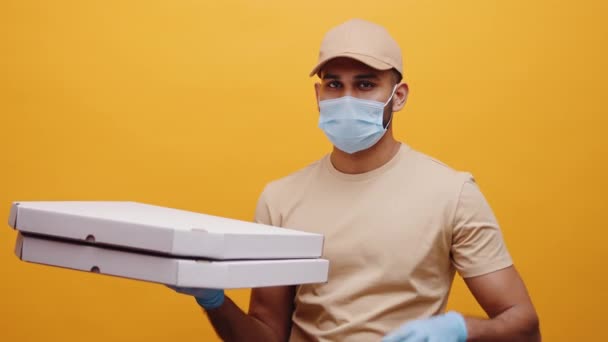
column 19, row 246
column 12, row 216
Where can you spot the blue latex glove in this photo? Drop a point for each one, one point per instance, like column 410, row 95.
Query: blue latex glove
column 449, row 327
column 209, row 299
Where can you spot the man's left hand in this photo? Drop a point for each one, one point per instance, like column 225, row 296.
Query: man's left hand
column 449, row 327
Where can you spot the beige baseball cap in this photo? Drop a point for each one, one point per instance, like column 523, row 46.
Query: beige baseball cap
column 364, row 41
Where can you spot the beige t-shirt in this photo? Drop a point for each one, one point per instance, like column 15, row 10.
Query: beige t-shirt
column 394, row 237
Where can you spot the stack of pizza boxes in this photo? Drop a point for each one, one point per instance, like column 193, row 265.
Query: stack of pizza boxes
column 165, row 245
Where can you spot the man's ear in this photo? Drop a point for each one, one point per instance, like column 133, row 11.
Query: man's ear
column 317, row 89
column 400, row 97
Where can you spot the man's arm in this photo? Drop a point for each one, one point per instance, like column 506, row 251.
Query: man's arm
column 269, row 317
column 503, row 296
column 479, row 254
column 270, row 308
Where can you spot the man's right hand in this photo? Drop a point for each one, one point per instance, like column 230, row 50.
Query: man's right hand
column 269, row 317
column 209, row 299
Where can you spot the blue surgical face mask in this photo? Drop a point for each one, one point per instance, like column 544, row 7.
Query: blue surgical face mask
column 353, row 124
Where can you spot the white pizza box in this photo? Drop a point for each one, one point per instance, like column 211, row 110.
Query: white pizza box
column 168, row 270
column 164, row 230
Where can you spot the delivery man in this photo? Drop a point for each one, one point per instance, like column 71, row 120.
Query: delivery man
column 397, row 223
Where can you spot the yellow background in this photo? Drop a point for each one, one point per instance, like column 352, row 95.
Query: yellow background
column 197, row 104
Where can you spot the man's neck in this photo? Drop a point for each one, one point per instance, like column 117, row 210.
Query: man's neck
column 367, row 160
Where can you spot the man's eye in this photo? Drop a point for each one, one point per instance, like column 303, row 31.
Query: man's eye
column 366, row 85
column 334, row 84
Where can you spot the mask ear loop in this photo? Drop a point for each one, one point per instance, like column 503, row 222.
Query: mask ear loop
column 387, row 101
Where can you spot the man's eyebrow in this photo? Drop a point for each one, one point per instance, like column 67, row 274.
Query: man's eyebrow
column 358, row 77
column 362, row 76
column 331, row 76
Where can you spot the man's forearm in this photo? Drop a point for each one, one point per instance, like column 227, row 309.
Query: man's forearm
column 515, row 324
column 234, row 325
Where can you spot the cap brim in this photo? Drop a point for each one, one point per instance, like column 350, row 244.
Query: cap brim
column 370, row 61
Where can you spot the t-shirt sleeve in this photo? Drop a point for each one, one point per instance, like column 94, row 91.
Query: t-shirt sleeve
column 262, row 210
column 478, row 247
